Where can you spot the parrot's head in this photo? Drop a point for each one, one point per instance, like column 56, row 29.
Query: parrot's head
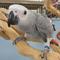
column 17, row 13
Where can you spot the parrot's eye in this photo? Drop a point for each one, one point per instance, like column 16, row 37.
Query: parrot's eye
column 15, row 11
column 25, row 12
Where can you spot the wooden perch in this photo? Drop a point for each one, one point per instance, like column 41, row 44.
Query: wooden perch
column 52, row 55
column 22, row 46
column 27, row 50
column 12, row 33
column 55, row 48
column 49, row 6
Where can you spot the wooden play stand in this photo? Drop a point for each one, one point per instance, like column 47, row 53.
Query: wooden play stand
column 11, row 33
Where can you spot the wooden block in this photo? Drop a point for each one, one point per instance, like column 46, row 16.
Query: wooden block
column 4, row 10
column 49, row 6
column 2, row 16
column 12, row 34
column 56, row 48
column 24, row 48
column 53, row 56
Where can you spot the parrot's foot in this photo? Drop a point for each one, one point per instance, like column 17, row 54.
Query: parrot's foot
column 18, row 39
column 46, row 51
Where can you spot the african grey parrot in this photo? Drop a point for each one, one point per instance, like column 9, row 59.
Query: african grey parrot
column 34, row 25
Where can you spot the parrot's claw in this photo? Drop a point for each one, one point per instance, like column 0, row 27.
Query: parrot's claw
column 18, row 39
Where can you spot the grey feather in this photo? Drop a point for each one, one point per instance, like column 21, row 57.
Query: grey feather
column 33, row 24
column 39, row 26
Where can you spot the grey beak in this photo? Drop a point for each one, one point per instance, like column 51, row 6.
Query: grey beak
column 12, row 19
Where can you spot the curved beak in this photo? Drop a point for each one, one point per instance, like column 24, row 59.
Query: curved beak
column 12, row 19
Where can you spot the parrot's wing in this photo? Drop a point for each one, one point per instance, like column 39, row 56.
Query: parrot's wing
column 44, row 26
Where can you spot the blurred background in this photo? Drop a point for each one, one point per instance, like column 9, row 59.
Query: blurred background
column 7, row 50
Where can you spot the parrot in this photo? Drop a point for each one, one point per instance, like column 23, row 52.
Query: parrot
column 35, row 26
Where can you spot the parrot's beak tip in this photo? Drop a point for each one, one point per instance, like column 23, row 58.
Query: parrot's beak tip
column 8, row 25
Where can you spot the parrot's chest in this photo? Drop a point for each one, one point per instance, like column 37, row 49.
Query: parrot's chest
column 33, row 38
column 28, row 28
